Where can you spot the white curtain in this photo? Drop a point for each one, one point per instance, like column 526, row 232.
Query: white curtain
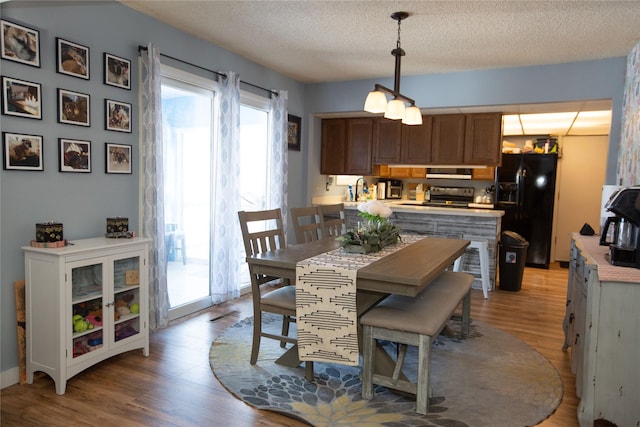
column 152, row 191
column 278, row 152
column 227, row 249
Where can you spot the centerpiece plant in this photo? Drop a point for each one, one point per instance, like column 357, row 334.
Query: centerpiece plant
column 374, row 232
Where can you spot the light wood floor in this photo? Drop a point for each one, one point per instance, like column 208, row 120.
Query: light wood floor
column 174, row 386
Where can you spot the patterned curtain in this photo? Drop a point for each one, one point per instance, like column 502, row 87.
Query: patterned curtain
column 278, row 161
column 227, row 248
column 152, row 194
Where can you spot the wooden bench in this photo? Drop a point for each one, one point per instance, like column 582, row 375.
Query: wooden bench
column 413, row 321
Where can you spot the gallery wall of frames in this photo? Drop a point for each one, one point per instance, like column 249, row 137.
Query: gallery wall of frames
column 24, row 99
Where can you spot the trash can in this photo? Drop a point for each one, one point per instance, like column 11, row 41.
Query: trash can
column 513, row 255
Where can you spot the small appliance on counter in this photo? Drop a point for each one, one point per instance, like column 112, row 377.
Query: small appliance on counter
column 382, row 190
column 624, row 239
column 394, row 189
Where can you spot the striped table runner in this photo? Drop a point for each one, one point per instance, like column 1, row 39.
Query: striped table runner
column 327, row 320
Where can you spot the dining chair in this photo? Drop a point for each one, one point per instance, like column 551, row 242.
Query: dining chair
column 262, row 231
column 306, row 224
column 332, row 220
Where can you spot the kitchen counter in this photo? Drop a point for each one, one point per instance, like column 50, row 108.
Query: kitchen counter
column 456, row 223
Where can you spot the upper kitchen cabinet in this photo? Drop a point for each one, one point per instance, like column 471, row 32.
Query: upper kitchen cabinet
column 395, row 143
column 447, row 142
column 347, row 146
column 483, row 138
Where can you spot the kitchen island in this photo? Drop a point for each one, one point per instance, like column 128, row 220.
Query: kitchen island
column 454, row 223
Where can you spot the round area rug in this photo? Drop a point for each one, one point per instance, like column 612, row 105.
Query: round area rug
column 488, row 379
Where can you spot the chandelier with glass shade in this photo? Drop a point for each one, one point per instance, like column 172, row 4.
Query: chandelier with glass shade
column 395, row 109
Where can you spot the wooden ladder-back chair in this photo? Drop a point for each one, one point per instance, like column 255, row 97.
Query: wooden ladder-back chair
column 332, row 220
column 281, row 300
column 306, row 224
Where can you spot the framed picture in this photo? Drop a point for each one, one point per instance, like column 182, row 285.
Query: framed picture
column 72, row 59
column 294, row 132
column 20, row 43
column 117, row 71
column 22, row 152
column 75, row 155
column 21, row 98
column 118, row 158
column 73, row 108
column 118, row 115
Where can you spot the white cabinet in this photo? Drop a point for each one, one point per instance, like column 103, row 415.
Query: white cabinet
column 85, row 303
column 602, row 326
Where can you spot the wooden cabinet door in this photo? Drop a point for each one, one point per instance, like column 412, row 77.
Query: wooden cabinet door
column 484, row 174
column 386, row 141
column 359, row 147
column 416, row 143
column 447, row 142
column 332, row 158
column 483, row 139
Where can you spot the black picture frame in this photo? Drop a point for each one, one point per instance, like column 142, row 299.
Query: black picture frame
column 294, row 132
column 74, row 155
column 22, row 151
column 117, row 71
column 117, row 115
column 117, row 158
column 19, row 43
column 72, row 59
column 21, row 98
column 74, row 108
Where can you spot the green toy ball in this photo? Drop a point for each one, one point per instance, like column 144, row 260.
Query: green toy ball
column 79, row 325
column 135, row 308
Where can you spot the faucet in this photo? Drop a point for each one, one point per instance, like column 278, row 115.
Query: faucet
column 364, row 183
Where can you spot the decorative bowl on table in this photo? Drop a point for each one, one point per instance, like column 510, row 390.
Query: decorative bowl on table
column 373, row 233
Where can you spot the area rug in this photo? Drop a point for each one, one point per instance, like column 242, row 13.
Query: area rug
column 488, row 379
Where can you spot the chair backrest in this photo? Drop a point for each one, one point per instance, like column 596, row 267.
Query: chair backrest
column 262, row 231
column 332, row 220
column 306, row 224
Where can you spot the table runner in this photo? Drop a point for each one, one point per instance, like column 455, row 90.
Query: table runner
column 327, row 319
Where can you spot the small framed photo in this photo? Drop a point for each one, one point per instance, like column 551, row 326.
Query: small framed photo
column 20, row 43
column 118, row 115
column 72, row 59
column 73, row 108
column 75, row 155
column 294, row 132
column 22, row 152
column 117, row 71
column 21, row 98
column 118, row 158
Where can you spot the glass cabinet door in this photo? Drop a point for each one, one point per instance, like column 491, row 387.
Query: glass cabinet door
column 87, row 301
column 126, row 290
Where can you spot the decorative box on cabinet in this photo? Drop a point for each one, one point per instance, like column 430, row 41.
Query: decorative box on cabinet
column 87, row 278
column 602, row 327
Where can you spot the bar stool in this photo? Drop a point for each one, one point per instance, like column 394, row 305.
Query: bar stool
column 483, row 252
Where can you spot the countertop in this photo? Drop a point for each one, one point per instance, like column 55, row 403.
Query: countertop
column 401, row 206
column 606, row 271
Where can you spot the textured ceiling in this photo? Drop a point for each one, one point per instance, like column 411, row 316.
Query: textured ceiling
column 324, row 41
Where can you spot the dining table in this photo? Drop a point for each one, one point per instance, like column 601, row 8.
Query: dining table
column 406, row 271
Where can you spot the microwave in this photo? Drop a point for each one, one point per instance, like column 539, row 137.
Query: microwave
column 449, row 173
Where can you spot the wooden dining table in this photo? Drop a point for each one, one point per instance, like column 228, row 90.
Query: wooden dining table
column 406, row 271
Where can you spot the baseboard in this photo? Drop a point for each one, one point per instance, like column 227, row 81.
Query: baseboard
column 9, row 377
column 564, row 264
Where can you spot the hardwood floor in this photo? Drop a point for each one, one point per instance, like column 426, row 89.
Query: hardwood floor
column 174, row 386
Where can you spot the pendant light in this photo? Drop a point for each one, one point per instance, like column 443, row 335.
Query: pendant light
column 395, row 109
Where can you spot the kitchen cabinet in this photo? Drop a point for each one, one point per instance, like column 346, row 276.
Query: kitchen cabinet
column 602, row 328
column 347, row 146
column 482, row 142
column 484, row 174
column 395, row 143
column 384, row 171
column 85, row 302
column 447, row 141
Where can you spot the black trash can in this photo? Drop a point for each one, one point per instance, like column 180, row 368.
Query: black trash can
column 513, row 255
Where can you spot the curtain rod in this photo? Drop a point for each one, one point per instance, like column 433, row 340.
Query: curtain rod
column 223, row 75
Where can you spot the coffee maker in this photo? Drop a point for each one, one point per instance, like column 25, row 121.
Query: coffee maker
column 624, row 239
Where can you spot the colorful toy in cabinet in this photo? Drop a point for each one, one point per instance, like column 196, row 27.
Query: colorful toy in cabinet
column 122, row 305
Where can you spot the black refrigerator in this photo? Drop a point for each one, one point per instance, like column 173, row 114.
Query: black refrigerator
column 525, row 191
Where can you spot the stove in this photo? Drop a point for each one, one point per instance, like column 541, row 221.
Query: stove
column 450, row 197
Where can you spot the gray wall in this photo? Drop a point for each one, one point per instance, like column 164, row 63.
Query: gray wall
column 82, row 202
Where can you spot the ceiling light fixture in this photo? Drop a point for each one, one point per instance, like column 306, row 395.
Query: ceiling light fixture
column 395, row 109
